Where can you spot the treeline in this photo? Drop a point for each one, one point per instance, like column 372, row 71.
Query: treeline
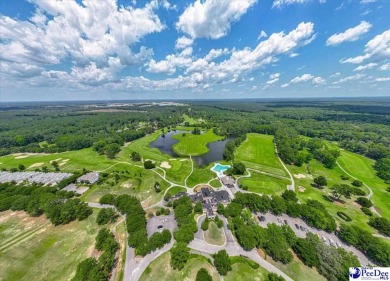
column 277, row 241
column 99, row 269
column 373, row 247
column 228, row 152
column 58, row 206
column 312, row 212
column 185, row 220
column 136, row 224
column 71, row 128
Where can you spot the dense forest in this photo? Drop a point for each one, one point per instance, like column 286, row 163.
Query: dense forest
column 358, row 126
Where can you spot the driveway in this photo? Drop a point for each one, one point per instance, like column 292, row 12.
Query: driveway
column 328, row 238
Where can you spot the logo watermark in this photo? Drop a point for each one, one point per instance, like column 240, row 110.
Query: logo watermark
column 369, row 273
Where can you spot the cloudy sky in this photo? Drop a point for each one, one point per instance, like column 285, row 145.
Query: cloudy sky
column 166, row 49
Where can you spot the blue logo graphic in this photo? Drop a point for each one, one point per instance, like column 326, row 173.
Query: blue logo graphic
column 354, row 272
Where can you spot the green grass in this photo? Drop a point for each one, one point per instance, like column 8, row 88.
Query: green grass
column 298, row 271
column 142, row 147
column 244, row 269
column 264, row 184
column 258, row 152
column 160, row 269
column 84, row 158
column 362, row 168
column 215, row 183
column 214, row 235
column 190, row 120
column 138, row 182
column 180, row 169
column 201, row 175
column 351, row 208
column 175, row 190
column 190, row 144
column 52, row 253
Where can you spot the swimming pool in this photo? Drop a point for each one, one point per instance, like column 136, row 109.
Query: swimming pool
column 219, row 169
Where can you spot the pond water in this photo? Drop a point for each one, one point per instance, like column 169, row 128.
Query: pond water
column 215, row 153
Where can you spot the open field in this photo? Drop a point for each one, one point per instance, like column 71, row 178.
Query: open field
column 244, row 269
column 68, row 161
column 190, row 144
column 142, row 147
column 214, row 235
column 179, row 170
column 160, row 269
column 34, row 249
column 298, row 271
column 361, row 168
column 175, row 190
column 135, row 181
column 264, row 184
column 258, row 152
column 201, row 175
column 304, row 179
column 190, row 120
column 215, row 183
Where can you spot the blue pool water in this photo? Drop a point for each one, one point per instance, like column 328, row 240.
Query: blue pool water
column 220, row 168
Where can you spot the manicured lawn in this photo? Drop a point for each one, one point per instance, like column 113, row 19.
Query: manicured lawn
column 304, row 179
column 37, row 250
column 242, row 270
column 258, row 152
column 180, row 169
column 160, row 269
column 215, row 183
column 362, row 168
column 190, row 120
column 68, row 161
column 175, row 190
column 138, row 182
column 190, row 144
column 264, row 184
column 298, row 271
column 142, row 147
column 214, row 235
column 201, row 175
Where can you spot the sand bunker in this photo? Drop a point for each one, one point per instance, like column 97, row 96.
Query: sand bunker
column 127, row 185
column 63, row 162
column 58, row 159
column 301, row 189
column 36, row 165
column 165, row 165
column 25, row 155
column 299, row 176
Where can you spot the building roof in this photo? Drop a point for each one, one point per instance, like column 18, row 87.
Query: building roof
column 205, row 192
column 221, row 195
column 227, row 180
column 91, row 177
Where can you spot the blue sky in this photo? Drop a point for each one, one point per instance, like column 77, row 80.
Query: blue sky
column 166, row 49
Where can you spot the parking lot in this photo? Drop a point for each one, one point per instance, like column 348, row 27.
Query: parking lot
column 301, row 229
column 160, row 223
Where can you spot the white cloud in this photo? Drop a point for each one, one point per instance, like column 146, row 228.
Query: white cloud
column 365, row 67
column 367, row 1
column 93, row 31
column 350, row 78
column 385, row 67
column 262, row 34
column 215, row 53
column 318, row 81
column 183, row 42
column 293, row 55
column 212, row 18
column 382, row 79
column 303, row 78
column 350, row 35
column 335, row 75
column 284, row 85
column 378, row 47
column 281, row 3
column 273, row 78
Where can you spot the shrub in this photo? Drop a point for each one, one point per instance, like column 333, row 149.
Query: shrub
column 367, row 211
column 357, row 183
column 205, row 224
column 203, row 275
column 106, row 216
column 149, row 165
column 364, row 202
column 380, row 224
column 222, row 262
column 344, row 216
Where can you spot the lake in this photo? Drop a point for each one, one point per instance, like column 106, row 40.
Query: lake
column 215, row 153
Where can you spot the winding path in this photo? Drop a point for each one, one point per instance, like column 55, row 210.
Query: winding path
column 288, row 172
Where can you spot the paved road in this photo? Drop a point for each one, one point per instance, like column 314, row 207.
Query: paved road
column 168, row 222
column 288, row 172
column 328, row 238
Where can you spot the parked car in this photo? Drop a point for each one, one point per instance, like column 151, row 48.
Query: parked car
column 297, row 226
column 159, row 227
column 338, row 244
column 323, row 238
column 285, row 221
column 302, row 228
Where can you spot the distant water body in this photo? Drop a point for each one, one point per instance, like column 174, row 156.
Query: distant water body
column 215, row 153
